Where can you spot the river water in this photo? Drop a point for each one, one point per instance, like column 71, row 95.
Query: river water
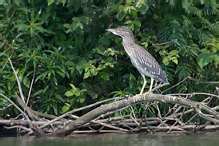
column 210, row 139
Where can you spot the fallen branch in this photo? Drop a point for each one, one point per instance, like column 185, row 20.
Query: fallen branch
column 23, row 113
column 130, row 101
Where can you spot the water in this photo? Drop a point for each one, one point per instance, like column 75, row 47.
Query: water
column 117, row 140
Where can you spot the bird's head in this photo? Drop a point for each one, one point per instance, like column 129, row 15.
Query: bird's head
column 121, row 31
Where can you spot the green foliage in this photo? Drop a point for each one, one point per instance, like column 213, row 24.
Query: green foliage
column 209, row 53
column 62, row 43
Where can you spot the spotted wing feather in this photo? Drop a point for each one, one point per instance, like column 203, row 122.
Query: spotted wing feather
column 146, row 63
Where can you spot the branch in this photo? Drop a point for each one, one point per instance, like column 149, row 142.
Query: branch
column 18, row 82
column 22, row 127
column 193, row 79
column 76, row 110
column 31, row 85
column 4, row 108
column 25, row 115
column 130, row 101
column 195, row 93
column 175, row 41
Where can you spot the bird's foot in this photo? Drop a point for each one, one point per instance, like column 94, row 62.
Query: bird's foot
column 137, row 98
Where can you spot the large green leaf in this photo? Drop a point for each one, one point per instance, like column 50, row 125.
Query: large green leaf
column 204, row 59
column 120, row 15
column 26, row 82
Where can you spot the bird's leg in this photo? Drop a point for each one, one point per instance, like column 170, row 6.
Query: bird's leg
column 145, row 82
column 142, row 89
column 152, row 81
column 151, row 85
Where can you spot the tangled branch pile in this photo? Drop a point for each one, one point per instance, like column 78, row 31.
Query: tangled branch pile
column 99, row 119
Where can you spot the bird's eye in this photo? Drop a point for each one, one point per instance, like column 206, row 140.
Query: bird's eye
column 119, row 30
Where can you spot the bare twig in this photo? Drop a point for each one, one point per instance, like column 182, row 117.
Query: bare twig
column 25, row 115
column 203, row 82
column 21, row 127
column 205, row 116
column 18, row 82
column 177, row 121
column 31, row 85
column 160, row 86
column 195, row 93
column 4, row 108
column 175, row 41
column 175, row 85
column 104, row 124
column 188, row 77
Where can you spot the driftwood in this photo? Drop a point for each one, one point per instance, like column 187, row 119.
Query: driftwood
column 213, row 116
column 93, row 118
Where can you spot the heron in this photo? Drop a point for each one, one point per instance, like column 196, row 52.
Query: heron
column 145, row 63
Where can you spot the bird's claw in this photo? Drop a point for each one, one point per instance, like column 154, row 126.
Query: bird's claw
column 138, row 97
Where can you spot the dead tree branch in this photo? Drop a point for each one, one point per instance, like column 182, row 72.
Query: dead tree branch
column 127, row 102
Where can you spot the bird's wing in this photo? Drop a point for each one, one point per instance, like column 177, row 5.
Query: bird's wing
column 147, row 64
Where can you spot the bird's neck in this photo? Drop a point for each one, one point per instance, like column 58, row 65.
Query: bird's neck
column 128, row 40
column 127, row 43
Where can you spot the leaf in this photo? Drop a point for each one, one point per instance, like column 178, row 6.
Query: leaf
column 77, row 93
column 69, row 93
column 38, row 92
column 216, row 57
column 21, row 26
column 17, row 2
column 45, row 89
column 173, row 52
column 143, row 9
column 67, row 25
column 79, row 69
column 128, row 22
column 204, row 59
column 174, row 59
column 42, row 76
column 65, row 108
column 59, row 97
column 61, row 73
column 86, row 75
column 128, row 2
column 82, row 99
column 166, row 60
column 137, row 23
column 185, row 4
column 26, row 82
column 112, row 6
column 54, row 106
column 73, row 86
column 120, row 15
column 70, row 63
column 80, row 25
column 76, row 19
column 101, row 50
column 2, row 91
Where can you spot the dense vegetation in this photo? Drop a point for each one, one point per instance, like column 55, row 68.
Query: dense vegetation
column 64, row 48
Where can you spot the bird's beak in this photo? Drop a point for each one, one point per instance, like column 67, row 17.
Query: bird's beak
column 113, row 30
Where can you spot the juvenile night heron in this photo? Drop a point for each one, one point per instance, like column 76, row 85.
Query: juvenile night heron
column 140, row 58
